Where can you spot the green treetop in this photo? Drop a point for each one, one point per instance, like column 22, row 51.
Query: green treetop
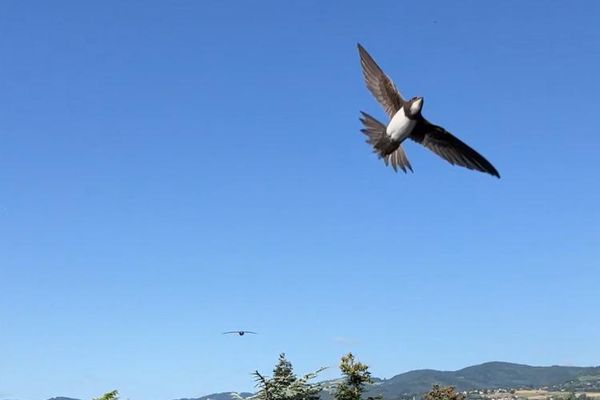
column 285, row 385
column 438, row 392
column 114, row 395
column 356, row 377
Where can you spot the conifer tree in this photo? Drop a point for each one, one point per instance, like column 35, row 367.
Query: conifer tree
column 114, row 395
column 438, row 392
column 284, row 372
column 356, row 377
column 285, row 385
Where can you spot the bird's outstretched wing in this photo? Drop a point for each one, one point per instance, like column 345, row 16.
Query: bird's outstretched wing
column 380, row 84
column 450, row 148
column 254, row 333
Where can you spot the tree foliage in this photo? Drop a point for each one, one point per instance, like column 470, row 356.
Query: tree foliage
column 438, row 392
column 285, row 385
column 356, row 377
column 114, row 395
column 283, row 372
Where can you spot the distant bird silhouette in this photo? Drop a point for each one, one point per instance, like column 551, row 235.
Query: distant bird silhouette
column 241, row 333
column 407, row 122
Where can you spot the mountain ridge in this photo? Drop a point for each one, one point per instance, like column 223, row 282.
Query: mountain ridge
column 488, row 375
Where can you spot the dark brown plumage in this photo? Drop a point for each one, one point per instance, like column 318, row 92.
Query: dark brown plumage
column 241, row 333
column 387, row 140
column 391, row 151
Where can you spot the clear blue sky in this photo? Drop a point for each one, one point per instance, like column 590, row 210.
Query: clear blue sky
column 172, row 170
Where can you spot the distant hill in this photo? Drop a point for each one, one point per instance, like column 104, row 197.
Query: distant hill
column 62, row 398
column 491, row 375
column 219, row 396
column 583, row 383
column 484, row 376
column 214, row 396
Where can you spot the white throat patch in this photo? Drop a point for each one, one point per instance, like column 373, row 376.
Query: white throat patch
column 415, row 107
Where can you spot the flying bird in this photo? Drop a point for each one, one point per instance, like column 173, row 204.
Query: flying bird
column 407, row 122
column 241, row 333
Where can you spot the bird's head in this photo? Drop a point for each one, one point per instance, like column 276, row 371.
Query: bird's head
column 414, row 106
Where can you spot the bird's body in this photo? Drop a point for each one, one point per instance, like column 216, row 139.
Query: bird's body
column 406, row 121
column 241, row 333
column 400, row 126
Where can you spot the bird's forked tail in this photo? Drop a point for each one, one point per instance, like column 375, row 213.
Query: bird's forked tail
column 391, row 151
